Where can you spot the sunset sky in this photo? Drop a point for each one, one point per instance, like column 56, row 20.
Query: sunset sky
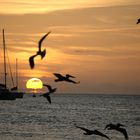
column 96, row 41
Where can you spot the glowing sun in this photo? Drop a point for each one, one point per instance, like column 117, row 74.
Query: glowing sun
column 34, row 83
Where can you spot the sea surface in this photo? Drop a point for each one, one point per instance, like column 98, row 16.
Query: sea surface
column 33, row 118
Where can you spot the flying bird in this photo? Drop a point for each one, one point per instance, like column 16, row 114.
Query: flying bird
column 138, row 21
column 117, row 127
column 51, row 90
column 90, row 132
column 65, row 78
column 39, row 52
column 47, row 95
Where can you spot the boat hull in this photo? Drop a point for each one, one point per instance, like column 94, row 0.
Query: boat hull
column 18, row 94
column 5, row 94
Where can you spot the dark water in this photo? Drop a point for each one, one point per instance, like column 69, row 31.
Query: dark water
column 35, row 119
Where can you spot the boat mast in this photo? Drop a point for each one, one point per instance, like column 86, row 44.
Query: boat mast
column 17, row 73
column 5, row 74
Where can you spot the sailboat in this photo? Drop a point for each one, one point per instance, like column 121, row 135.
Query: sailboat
column 5, row 93
column 15, row 88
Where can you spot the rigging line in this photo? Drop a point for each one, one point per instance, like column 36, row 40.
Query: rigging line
column 10, row 68
column 1, row 72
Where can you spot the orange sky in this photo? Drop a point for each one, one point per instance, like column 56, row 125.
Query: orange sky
column 37, row 6
column 97, row 42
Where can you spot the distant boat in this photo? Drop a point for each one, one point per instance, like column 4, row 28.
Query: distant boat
column 5, row 94
column 33, row 95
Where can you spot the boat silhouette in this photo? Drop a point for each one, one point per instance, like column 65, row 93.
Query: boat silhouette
column 5, row 93
column 14, row 89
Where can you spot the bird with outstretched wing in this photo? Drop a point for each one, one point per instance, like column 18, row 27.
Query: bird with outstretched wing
column 91, row 132
column 65, row 78
column 39, row 52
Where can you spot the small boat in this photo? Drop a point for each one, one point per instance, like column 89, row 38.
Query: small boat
column 5, row 93
column 15, row 88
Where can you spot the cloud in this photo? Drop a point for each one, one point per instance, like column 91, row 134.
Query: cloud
column 41, row 6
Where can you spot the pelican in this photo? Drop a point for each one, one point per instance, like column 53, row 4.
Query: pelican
column 47, row 95
column 138, row 21
column 95, row 132
column 65, row 78
column 117, row 127
column 39, row 52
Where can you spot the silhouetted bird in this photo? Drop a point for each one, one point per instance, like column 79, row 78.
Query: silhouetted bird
column 65, row 78
column 51, row 90
column 91, row 132
column 138, row 21
column 117, row 127
column 39, row 52
column 114, row 125
column 47, row 95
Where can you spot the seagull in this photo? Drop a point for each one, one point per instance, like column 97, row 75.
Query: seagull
column 51, row 90
column 95, row 132
column 47, row 95
column 117, row 127
column 138, row 21
column 39, row 52
column 65, row 78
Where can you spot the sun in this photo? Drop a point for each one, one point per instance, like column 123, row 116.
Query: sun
column 34, row 83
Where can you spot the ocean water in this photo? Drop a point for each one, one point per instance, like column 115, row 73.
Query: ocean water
column 33, row 118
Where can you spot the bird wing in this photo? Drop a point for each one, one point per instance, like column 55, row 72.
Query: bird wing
column 119, row 124
column 42, row 53
column 48, row 86
column 40, row 41
column 31, row 61
column 82, row 128
column 75, row 82
column 48, row 98
column 96, row 132
column 67, row 75
column 123, row 131
column 138, row 21
column 108, row 125
column 58, row 75
column 69, row 80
